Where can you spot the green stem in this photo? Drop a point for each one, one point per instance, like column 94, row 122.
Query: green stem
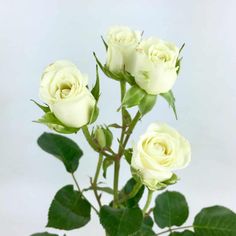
column 95, row 180
column 134, row 191
column 77, row 185
column 116, row 181
column 117, row 159
column 131, row 128
column 99, row 165
column 123, row 90
column 148, row 202
column 174, row 229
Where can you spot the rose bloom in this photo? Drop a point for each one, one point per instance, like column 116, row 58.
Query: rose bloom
column 159, row 152
column 155, row 66
column 63, row 88
column 122, row 43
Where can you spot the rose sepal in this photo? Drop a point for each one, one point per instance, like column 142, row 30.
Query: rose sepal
column 138, row 176
column 50, row 120
column 133, row 96
column 94, row 114
column 118, row 76
column 96, row 89
column 178, row 61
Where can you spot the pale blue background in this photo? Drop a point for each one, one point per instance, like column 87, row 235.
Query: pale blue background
column 36, row 33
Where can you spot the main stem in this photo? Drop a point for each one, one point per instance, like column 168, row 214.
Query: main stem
column 118, row 156
column 116, row 181
column 131, row 128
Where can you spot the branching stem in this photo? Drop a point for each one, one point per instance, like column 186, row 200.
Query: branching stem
column 95, row 180
column 174, row 229
column 92, row 143
column 77, row 185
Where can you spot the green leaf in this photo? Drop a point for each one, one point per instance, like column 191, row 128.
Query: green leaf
column 128, row 155
column 68, row 210
column 146, row 228
column 43, row 108
column 125, row 193
column 169, row 97
column 118, row 76
column 53, row 123
column 96, row 89
column 184, row 233
column 170, row 209
column 62, row 148
column 44, row 234
column 148, row 221
column 106, row 163
column 121, row 222
column 104, row 42
column 133, row 96
column 215, row 221
column 144, row 231
column 147, row 103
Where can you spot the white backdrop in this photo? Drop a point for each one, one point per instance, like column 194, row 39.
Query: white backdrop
column 35, row 33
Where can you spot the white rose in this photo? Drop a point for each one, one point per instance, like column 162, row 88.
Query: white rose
column 155, row 67
column 122, row 43
column 63, row 88
column 158, row 152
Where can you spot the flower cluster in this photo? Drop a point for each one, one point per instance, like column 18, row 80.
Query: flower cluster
column 152, row 64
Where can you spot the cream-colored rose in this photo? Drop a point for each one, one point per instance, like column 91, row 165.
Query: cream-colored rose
column 159, row 152
column 64, row 89
column 122, row 43
column 155, row 67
